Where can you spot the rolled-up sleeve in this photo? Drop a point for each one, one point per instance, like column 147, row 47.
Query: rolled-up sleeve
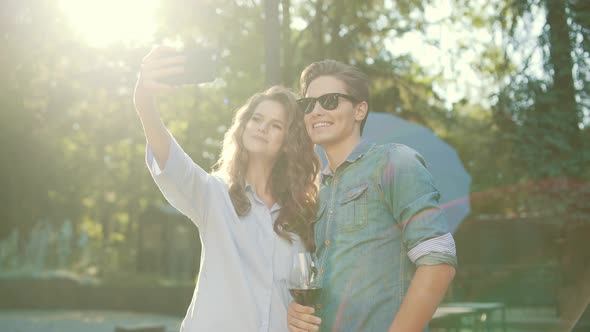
column 183, row 183
column 414, row 200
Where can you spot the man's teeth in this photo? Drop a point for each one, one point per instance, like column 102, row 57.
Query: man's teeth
column 321, row 124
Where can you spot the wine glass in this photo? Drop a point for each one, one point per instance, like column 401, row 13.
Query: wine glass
column 303, row 280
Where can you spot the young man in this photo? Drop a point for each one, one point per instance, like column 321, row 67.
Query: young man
column 385, row 255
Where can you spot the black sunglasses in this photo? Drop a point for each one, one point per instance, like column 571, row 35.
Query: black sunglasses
column 329, row 102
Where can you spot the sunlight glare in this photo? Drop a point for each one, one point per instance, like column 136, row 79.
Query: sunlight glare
column 105, row 22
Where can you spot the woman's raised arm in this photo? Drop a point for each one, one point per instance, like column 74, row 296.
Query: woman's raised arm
column 160, row 63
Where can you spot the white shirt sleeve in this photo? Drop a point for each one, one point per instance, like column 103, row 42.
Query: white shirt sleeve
column 183, row 183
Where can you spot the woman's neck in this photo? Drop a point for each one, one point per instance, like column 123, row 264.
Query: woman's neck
column 258, row 175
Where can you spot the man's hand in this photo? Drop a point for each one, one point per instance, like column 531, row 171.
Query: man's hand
column 301, row 319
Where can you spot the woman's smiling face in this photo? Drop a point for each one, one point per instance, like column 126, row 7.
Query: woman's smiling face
column 265, row 131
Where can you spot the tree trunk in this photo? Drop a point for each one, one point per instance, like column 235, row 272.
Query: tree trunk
column 287, row 70
column 564, row 106
column 337, row 50
column 318, row 30
column 272, row 42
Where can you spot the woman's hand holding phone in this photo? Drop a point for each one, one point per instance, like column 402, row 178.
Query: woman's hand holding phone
column 199, row 66
column 161, row 62
column 165, row 68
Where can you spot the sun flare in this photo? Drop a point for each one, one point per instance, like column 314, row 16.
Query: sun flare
column 105, row 22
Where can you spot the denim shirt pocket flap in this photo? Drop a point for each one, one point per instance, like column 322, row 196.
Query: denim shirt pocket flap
column 353, row 193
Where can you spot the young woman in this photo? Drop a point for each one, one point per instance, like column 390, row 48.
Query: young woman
column 253, row 213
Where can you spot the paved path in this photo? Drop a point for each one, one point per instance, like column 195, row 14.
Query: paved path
column 80, row 321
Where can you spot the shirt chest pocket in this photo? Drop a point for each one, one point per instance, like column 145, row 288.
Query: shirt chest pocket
column 353, row 208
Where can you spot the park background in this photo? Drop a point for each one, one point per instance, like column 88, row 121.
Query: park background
column 505, row 82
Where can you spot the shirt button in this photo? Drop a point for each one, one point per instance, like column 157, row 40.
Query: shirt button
column 335, row 181
column 327, row 243
column 321, row 270
column 331, row 212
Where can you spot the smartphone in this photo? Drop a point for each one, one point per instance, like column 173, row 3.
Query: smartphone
column 200, row 66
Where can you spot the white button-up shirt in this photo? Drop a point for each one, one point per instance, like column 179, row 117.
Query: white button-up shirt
column 242, row 284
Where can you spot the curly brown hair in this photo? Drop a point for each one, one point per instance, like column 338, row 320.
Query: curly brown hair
column 293, row 181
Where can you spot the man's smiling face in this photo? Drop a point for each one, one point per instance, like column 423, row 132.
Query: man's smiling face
column 332, row 127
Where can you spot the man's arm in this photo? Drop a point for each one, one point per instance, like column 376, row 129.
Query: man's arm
column 426, row 291
column 414, row 200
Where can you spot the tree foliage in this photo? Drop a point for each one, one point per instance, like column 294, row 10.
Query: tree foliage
column 73, row 147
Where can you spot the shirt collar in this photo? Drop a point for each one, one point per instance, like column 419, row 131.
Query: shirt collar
column 249, row 188
column 361, row 149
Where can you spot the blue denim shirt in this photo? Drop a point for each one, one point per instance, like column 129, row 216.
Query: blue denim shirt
column 378, row 219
